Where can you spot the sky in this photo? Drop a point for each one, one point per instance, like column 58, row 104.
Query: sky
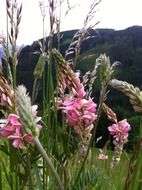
column 115, row 14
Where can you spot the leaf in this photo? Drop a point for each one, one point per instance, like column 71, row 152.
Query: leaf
column 88, row 179
column 6, row 173
column 40, row 66
column 38, row 179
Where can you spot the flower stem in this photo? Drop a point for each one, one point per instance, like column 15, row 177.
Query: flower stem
column 47, row 159
column 102, row 97
column 29, row 171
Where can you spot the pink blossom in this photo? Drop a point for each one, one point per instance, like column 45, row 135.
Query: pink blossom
column 80, row 112
column 120, row 130
column 12, row 129
column 102, row 156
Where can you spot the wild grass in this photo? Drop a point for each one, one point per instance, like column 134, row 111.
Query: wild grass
column 57, row 150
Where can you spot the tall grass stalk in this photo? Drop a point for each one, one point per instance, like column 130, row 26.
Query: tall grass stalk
column 106, row 72
column 66, row 159
column 133, row 180
column 44, row 154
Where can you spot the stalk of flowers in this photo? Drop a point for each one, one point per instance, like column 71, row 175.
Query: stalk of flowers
column 7, row 96
column 80, row 114
column 119, row 131
column 12, row 129
column 79, row 111
column 21, row 128
column 68, row 79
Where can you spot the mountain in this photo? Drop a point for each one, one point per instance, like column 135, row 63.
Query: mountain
column 123, row 45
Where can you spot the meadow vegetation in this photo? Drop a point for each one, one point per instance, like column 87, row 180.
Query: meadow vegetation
column 54, row 145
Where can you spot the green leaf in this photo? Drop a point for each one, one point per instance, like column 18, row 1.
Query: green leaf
column 39, row 182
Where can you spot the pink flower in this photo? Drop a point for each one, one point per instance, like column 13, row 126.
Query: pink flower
column 11, row 128
column 102, row 156
column 120, row 130
column 80, row 112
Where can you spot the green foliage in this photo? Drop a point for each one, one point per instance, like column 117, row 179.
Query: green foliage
column 89, row 179
column 135, row 122
column 62, row 156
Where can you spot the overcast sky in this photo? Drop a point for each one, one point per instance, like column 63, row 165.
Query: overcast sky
column 116, row 14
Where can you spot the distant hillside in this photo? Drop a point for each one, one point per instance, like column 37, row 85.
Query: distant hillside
column 124, row 46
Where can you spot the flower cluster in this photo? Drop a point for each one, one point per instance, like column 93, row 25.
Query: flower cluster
column 120, row 130
column 11, row 128
column 79, row 111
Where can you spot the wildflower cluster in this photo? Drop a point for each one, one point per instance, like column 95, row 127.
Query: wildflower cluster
column 119, row 131
column 79, row 111
column 11, row 127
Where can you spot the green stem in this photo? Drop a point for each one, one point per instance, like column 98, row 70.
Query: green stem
column 47, row 159
column 93, row 135
column 14, row 72
column 35, row 91
column 29, row 172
